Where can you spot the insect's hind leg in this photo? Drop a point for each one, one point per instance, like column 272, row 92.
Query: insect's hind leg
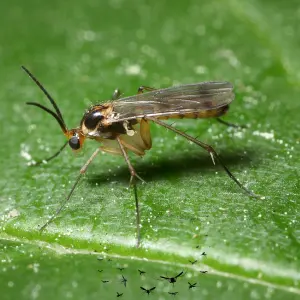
column 208, row 148
column 132, row 182
column 230, row 124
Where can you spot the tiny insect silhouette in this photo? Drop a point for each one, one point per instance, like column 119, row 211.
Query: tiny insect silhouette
column 119, row 295
column 192, row 285
column 124, row 280
column 203, row 254
column 148, row 291
column 122, row 125
column 105, row 281
column 141, row 272
column 193, row 262
column 100, row 271
column 203, row 272
column 121, row 269
column 173, row 293
column 172, row 279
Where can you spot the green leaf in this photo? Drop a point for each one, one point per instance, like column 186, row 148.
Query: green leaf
column 81, row 53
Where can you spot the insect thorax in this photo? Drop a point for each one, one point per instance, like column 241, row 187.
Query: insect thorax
column 95, row 124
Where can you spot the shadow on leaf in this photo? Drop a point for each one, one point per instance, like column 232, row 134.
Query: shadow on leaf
column 176, row 166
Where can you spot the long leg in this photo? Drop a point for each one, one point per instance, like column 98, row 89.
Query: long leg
column 230, row 124
column 125, row 155
column 53, row 156
column 132, row 181
column 208, row 148
column 82, row 171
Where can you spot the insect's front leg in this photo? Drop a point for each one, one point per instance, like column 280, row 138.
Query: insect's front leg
column 82, row 171
column 52, row 156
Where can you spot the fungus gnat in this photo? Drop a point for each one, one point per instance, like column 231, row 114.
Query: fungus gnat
column 122, row 124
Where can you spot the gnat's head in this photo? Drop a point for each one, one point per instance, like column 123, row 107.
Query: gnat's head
column 75, row 136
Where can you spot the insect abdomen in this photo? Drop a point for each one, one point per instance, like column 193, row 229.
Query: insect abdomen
column 197, row 114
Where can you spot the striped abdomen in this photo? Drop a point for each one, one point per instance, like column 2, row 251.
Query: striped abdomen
column 213, row 113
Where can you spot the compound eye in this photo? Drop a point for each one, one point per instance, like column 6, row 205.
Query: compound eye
column 92, row 119
column 74, row 142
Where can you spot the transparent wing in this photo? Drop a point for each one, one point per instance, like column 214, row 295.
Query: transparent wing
column 183, row 99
